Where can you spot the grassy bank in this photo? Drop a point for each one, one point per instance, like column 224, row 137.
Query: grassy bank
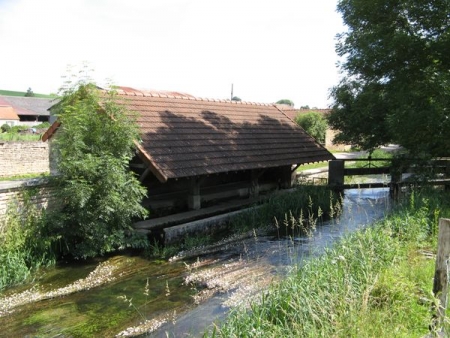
column 374, row 283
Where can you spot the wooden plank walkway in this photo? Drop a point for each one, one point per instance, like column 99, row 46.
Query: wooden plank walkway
column 189, row 216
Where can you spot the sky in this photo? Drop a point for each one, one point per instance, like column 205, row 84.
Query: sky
column 268, row 50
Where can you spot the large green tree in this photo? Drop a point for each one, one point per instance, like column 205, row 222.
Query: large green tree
column 396, row 66
column 285, row 101
column 99, row 195
column 314, row 124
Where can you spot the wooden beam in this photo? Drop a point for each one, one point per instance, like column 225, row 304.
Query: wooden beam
column 367, row 171
column 147, row 160
column 295, row 168
column 138, row 165
column 144, row 174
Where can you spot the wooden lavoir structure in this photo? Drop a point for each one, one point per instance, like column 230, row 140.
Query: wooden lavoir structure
column 196, row 152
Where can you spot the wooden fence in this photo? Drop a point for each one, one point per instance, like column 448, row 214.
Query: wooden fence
column 337, row 173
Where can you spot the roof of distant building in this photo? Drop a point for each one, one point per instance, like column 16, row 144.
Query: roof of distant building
column 8, row 113
column 29, row 105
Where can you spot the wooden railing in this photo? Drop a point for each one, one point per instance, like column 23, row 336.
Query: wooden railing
column 337, row 173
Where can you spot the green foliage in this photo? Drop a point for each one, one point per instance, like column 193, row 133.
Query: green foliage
column 23, row 247
column 236, row 98
column 43, row 125
column 5, row 128
column 100, row 197
column 15, row 133
column 397, row 84
column 286, row 101
column 314, row 124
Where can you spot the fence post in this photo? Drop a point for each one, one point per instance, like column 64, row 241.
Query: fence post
column 394, row 186
column 440, row 284
column 336, row 173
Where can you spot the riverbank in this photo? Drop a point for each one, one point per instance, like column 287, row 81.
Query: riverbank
column 373, row 283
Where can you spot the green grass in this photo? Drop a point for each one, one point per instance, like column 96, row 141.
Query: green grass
column 317, row 165
column 24, row 177
column 378, row 154
column 14, row 137
column 374, row 283
column 17, row 93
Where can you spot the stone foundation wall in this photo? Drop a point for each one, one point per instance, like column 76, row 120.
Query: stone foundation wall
column 23, row 158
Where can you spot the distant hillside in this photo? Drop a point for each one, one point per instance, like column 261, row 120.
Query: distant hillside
column 14, row 93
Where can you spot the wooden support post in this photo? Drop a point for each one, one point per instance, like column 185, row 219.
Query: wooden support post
column 144, row 174
column 287, row 178
column 194, row 199
column 254, row 184
column 336, row 173
column 440, row 284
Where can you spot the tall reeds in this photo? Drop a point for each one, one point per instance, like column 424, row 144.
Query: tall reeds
column 373, row 283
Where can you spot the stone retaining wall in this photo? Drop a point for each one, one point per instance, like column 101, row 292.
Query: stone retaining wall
column 12, row 195
column 24, row 158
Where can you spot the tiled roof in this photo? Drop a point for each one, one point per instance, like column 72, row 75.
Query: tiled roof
column 29, row 105
column 184, row 136
column 7, row 113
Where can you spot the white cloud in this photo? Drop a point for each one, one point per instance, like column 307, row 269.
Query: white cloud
column 269, row 50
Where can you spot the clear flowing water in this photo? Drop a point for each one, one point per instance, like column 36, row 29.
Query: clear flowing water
column 129, row 295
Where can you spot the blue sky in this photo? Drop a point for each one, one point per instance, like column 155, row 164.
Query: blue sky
column 269, row 50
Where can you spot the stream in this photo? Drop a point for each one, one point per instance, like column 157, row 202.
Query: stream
column 126, row 295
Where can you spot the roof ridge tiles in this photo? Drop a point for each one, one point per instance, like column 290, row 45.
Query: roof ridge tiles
column 180, row 96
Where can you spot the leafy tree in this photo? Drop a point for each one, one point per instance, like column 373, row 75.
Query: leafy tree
column 29, row 93
column 397, row 81
column 314, row 124
column 236, row 98
column 305, row 107
column 99, row 195
column 285, row 101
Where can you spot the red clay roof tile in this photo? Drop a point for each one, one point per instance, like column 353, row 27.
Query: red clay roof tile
column 8, row 113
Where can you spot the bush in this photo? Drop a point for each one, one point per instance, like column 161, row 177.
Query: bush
column 5, row 128
column 16, row 129
column 43, row 125
column 23, row 247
